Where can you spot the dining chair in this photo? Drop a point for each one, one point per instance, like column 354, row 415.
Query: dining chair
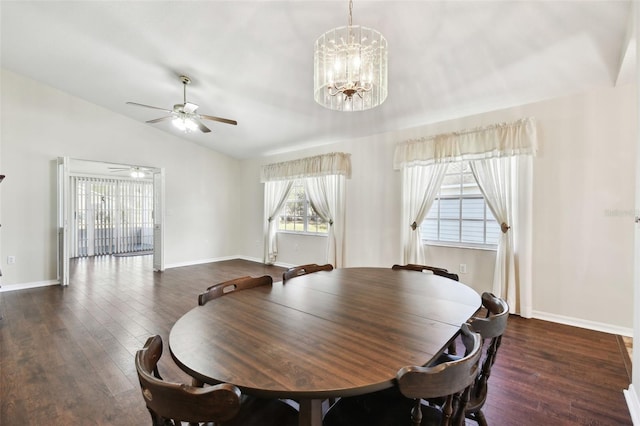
column 296, row 271
column 406, row 402
column 491, row 326
column 235, row 284
column 223, row 404
column 436, row 271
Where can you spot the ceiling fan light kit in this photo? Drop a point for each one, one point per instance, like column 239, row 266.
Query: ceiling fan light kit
column 184, row 116
column 350, row 68
column 185, row 124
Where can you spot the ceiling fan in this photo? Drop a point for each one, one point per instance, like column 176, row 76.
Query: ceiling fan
column 184, row 115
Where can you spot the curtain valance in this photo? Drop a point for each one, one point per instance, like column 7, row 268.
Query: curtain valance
column 335, row 163
column 499, row 140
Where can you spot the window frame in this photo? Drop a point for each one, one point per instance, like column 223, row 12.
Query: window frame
column 460, row 196
column 298, row 184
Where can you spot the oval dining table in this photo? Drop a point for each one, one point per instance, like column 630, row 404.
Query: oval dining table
column 322, row 335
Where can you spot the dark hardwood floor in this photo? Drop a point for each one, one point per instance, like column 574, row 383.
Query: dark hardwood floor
column 66, row 354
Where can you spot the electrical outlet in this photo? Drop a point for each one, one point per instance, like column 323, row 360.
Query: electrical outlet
column 11, row 260
column 463, row 268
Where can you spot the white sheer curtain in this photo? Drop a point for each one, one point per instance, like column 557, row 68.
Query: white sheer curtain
column 275, row 194
column 501, row 160
column 420, row 185
column 327, row 196
column 506, row 186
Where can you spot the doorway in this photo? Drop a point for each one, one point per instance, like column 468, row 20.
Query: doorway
column 103, row 209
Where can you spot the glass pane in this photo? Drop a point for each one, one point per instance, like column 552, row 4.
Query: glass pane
column 473, row 231
column 451, row 181
column 433, row 211
column 449, row 209
column 493, row 232
column 429, row 230
column 454, row 168
column 473, row 208
column 450, row 230
column 312, row 225
column 471, row 189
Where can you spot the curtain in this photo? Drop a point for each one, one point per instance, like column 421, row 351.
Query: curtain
column 329, row 172
column 501, row 159
column 275, row 195
column 327, row 197
column 335, row 163
column 498, row 140
column 506, row 186
column 420, row 185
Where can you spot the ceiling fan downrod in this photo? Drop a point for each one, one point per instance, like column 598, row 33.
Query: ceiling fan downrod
column 185, row 80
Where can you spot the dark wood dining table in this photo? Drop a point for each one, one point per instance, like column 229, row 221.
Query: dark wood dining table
column 322, row 335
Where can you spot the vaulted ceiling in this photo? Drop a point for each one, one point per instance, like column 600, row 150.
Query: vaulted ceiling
column 252, row 61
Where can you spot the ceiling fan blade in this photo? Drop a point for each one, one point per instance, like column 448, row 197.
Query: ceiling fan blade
column 148, row 106
column 157, row 120
column 222, row 120
column 202, row 127
column 189, row 107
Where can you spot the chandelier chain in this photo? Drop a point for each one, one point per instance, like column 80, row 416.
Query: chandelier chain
column 350, row 13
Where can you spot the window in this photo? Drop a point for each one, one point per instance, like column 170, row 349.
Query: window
column 298, row 214
column 459, row 215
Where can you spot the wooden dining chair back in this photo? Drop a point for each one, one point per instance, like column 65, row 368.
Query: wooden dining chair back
column 177, row 402
column 450, row 382
column 491, row 328
column 421, row 268
column 236, row 284
column 310, row 268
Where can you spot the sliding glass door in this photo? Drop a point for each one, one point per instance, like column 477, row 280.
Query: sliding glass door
column 111, row 216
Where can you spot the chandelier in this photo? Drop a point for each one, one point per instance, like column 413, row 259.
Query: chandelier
column 350, row 68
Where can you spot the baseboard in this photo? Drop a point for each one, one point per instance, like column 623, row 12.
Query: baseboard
column 260, row 260
column 633, row 403
column 220, row 259
column 199, row 262
column 582, row 323
column 25, row 286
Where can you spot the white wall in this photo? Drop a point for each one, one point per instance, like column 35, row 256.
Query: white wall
column 39, row 124
column 583, row 196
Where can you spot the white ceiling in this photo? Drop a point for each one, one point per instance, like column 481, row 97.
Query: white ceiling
column 252, row 61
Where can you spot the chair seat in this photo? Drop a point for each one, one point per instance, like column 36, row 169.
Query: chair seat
column 258, row 412
column 384, row 408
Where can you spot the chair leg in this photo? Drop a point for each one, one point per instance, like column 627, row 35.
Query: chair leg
column 482, row 421
column 416, row 413
column 452, row 348
column 479, row 417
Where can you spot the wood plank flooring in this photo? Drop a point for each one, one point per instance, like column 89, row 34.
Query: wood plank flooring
column 66, row 354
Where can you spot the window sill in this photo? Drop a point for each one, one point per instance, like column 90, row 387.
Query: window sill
column 460, row 246
column 306, row 234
